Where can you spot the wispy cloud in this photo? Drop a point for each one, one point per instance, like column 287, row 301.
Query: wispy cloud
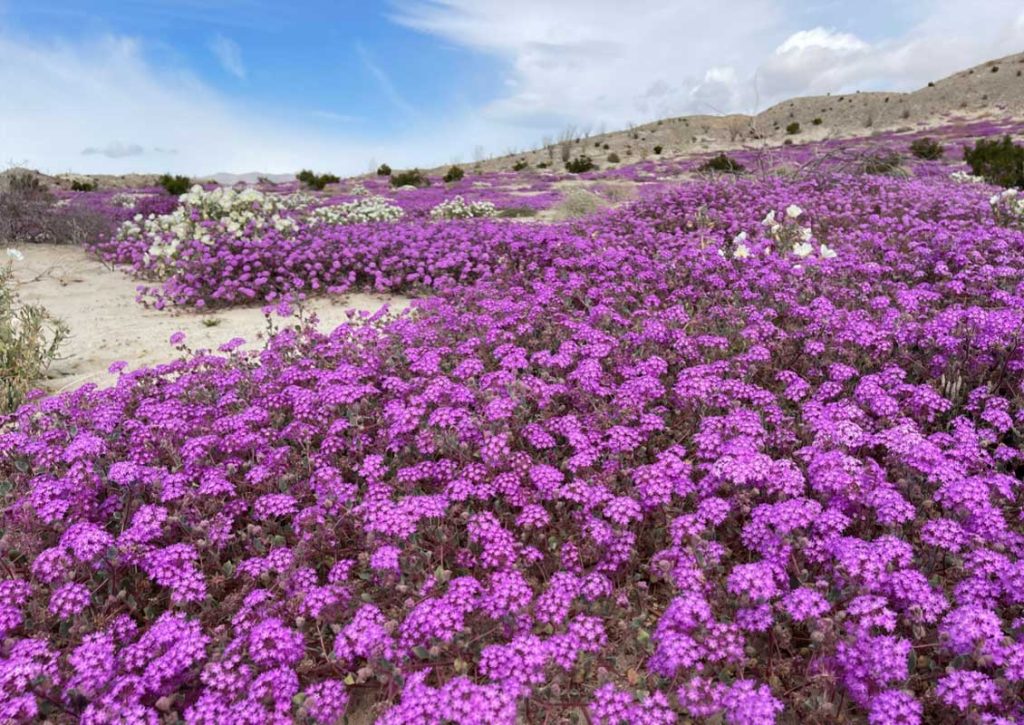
column 337, row 117
column 229, row 53
column 384, row 81
column 594, row 61
column 114, row 150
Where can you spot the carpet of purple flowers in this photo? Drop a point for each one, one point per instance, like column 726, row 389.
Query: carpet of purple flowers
column 611, row 471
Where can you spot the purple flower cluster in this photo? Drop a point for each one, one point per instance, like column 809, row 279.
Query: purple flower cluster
column 611, row 470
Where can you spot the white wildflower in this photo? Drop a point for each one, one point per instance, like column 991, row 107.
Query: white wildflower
column 827, row 252
column 793, row 211
column 459, row 208
column 15, row 254
column 803, row 249
column 742, row 251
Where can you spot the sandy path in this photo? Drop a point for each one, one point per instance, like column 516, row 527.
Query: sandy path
column 108, row 325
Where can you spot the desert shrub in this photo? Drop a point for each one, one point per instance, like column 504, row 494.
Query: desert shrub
column 605, row 146
column 520, row 165
column 882, row 162
column 793, row 128
column 412, row 177
column 30, row 213
column 657, row 149
column 77, row 185
column 383, row 170
column 517, row 212
column 543, row 165
column 454, row 173
column 30, row 339
column 722, row 164
column 995, row 69
column 999, row 162
column 579, row 165
column 579, row 203
column 175, row 185
column 613, row 158
column 816, row 122
column 927, row 148
column 316, row 181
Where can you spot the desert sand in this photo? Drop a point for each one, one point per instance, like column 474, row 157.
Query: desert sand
column 108, row 325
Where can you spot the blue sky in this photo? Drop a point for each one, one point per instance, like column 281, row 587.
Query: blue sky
column 201, row 86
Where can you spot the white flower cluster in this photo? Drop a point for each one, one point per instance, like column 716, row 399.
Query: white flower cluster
column 1008, row 207
column 360, row 211
column 359, row 190
column 459, row 208
column 791, row 232
column 124, row 200
column 787, row 232
column 203, row 215
column 962, row 177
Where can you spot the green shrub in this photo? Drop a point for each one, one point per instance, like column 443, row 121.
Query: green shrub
column 77, row 185
column 657, row 149
column 793, row 128
column 613, row 158
column 316, row 181
column 927, row 148
column 722, row 164
column 520, row 165
column 30, row 340
column 817, row 122
column 175, row 185
column 517, row 212
column 412, row 177
column 543, row 165
column 605, row 147
column 383, row 170
column 998, row 162
column 883, row 162
column 579, row 165
column 455, row 173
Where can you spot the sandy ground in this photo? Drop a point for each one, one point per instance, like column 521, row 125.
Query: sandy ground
column 108, row 325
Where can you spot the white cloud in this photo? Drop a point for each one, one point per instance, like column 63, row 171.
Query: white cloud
column 384, row 82
column 605, row 60
column 229, row 53
column 61, row 99
column 115, row 150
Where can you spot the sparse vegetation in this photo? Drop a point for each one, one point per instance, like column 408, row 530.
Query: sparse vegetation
column 579, row 165
column 882, row 162
column 30, row 339
column 411, row 177
column 383, row 170
column 520, row 165
column 517, row 212
column 579, row 203
column 999, row 162
column 793, row 128
column 927, row 148
column 77, row 185
column 454, row 173
column 817, row 122
column 613, row 158
column 317, row 182
column 29, row 214
column 175, row 185
column 722, row 164
column 657, row 149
